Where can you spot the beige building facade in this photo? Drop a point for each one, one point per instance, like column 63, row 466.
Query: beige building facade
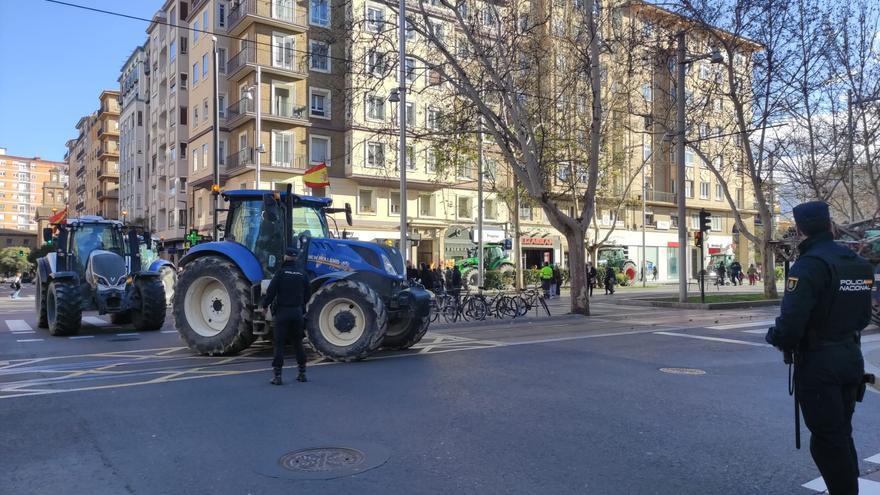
column 22, row 188
column 93, row 161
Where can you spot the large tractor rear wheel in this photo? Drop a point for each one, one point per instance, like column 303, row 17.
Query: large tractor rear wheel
column 408, row 330
column 211, row 307
column 168, row 276
column 40, row 302
column 63, row 308
column 148, row 304
column 346, row 320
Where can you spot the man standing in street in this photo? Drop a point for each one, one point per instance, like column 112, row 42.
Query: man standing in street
column 288, row 294
column 591, row 277
column 826, row 305
column 546, row 279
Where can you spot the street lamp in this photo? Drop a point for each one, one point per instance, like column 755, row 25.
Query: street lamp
column 850, row 152
column 682, row 61
column 124, row 215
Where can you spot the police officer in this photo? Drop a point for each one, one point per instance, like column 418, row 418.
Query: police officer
column 288, row 294
column 826, row 305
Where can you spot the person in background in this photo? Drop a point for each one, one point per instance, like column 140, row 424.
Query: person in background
column 448, row 277
column 557, row 280
column 546, row 275
column 610, row 279
column 736, row 273
column 656, row 272
column 426, row 277
column 439, row 284
column 591, row 278
column 753, row 274
column 456, row 283
column 16, row 286
column 411, row 272
column 721, row 271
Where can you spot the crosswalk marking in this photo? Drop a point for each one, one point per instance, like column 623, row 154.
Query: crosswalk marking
column 18, row 326
column 866, row 487
column 714, row 339
column 760, row 331
column 95, row 321
column 734, row 326
column 29, row 340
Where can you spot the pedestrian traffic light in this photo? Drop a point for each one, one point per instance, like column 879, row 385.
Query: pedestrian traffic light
column 705, row 220
column 698, row 239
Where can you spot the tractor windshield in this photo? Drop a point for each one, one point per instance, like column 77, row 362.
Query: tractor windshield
column 90, row 237
column 309, row 220
column 259, row 230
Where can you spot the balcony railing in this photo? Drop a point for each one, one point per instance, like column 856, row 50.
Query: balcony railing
column 270, row 9
column 289, row 111
column 108, row 171
column 242, row 158
column 108, row 149
column 246, row 158
column 662, row 197
column 108, row 194
column 244, row 106
column 251, row 55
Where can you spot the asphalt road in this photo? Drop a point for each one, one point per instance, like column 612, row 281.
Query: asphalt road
column 567, row 405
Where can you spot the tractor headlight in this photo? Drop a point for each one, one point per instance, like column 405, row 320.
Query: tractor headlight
column 388, row 266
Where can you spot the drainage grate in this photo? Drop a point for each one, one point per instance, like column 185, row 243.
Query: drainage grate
column 683, row 371
column 323, row 460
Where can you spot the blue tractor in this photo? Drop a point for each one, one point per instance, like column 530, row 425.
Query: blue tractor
column 96, row 266
column 360, row 300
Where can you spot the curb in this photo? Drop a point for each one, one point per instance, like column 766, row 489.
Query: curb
column 718, row 305
column 502, row 323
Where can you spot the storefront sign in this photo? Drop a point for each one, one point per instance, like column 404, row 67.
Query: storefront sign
column 536, row 241
column 662, row 224
column 489, row 235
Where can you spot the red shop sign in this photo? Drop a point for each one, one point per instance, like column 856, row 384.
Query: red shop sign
column 537, row 241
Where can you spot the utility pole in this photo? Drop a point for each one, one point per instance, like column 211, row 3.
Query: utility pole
column 680, row 55
column 258, row 145
column 480, row 261
column 517, row 255
column 401, row 41
column 644, row 213
column 215, row 187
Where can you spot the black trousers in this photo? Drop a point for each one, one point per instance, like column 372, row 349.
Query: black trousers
column 288, row 326
column 828, row 383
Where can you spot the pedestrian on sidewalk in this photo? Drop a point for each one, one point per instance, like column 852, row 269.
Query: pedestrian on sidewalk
column 426, row 277
column 15, row 286
column 546, row 275
column 557, row 280
column 591, row 277
column 826, row 305
column 721, row 271
column 736, row 273
column 753, row 274
column 655, row 273
column 287, row 294
column 610, row 280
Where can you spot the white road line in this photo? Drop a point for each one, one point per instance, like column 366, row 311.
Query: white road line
column 875, row 459
column 78, row 337
column 18, row 326
column 760, row 331
column 168, row 331
column 130, row 334
column 742, row 325
column 866, row 487
column 95, row 321
column 29, row 340
column 714, row 339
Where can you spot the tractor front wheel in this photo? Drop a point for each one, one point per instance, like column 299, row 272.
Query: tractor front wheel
column 63, row 308
column 346, row 320
column 40, row 302
column 148, row 304
column 408, row 330
column 211, row 307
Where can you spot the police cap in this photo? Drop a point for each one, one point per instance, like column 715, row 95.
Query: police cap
column 812, row 217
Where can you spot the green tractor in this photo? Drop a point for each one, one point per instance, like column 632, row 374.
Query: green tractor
column 616, row 257
column 494, row 258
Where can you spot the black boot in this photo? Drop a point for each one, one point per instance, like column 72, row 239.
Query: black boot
column 276, row 380
column 301, row 377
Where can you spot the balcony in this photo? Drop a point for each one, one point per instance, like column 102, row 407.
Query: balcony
column 108, row 194
column 110, row 131
column 269, row 12
column 81, row 153
column 662, row 197
column 109, row 150
column 237, row 112
column 81, row 189
column 244, row 109
column 244, row 62
column 81, row 171
column 240, row 159
column 108, row 171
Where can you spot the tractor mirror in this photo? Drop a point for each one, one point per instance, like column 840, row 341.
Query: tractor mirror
column 348, row 214
column 47, row 234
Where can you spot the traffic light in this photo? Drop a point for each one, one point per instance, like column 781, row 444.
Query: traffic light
column 705, row 220
column 20, row 253
column 698, row 239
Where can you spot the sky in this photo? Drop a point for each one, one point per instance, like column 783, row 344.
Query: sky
column 54, row 62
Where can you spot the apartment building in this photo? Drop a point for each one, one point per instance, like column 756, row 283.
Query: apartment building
column 169, row 110
column 53, row 202
column 22, row 181
column 133, row 135
column 93, row 161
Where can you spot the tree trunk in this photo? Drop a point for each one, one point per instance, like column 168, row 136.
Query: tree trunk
column 577, row 269
column 769, row 272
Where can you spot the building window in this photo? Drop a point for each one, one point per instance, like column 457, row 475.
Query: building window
column 394, row 203
column 366, row 203
column 221, row 60
column 195, row 73
column 205, row 66
column 426, row 205
column 319, row 103
column 205, row 109
column 432, row 118
column 221, row 103
column 430, row 162
column 183, row 47
column 375, row 63
column 465, row 208
column 490, row 209
column 688, row 158
column 172, row 51
column 319, row 150
column 195, row 161
column 719, row 193
column 375, row 155
column 717, row 223
column 205, row 155
column 525, row 212
column 195, row 115
column 319, row 12
column 221, row 15
column 375, row 19
column 376, row 108
column 319, row 59
column 282, row 51
column 410, row 65
column 704, row 190
column 196, row 32
column 689, row 188
column 221, row 156
column 648, row 93
column 282, row 149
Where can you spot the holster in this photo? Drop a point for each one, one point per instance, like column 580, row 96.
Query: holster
column 863, row 387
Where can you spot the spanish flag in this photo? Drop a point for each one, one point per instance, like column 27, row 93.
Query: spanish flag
column 60, row 217
column 317, row 176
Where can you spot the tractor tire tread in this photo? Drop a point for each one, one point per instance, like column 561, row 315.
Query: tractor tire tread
column 372, row 301
column 68, row 308
column 151, row 315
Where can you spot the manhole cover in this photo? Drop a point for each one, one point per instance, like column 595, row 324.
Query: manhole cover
column 683, row 371
column 323, row 459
